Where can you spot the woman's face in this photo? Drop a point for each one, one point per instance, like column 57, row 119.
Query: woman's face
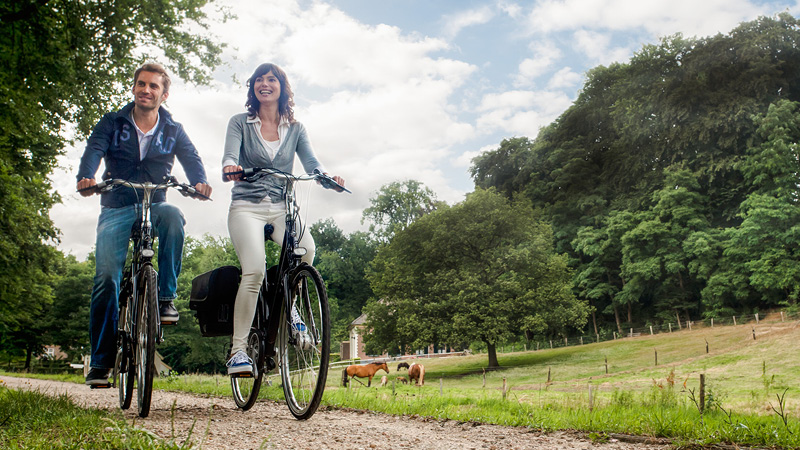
column 267, row 88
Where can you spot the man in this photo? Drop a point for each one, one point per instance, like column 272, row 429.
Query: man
column 138, row 143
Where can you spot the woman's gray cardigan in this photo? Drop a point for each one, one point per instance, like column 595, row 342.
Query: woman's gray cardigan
column 243, row 146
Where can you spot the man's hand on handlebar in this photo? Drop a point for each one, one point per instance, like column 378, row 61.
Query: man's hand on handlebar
column 204, row 190
column 85, row 187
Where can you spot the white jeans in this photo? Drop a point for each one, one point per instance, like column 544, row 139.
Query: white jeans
column 246, row 227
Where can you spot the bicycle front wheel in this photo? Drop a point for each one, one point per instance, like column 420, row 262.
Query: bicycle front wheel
column 146, row 326
column 304, row 342
column 124, row 370
column 246, row 388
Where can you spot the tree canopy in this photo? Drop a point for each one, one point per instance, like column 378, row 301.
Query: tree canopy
column 482, row 270
column 671, row 182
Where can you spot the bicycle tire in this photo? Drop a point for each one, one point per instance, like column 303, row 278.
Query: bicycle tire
column 146, row 326
column 246, row 389
column 124, row 369
column 304, row 363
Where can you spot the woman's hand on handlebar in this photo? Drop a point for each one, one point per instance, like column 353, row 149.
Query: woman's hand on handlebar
column 85, row 187
column 235, row 177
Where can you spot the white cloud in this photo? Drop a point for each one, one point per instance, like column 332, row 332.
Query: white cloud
column 457, row 22
column 545, row 54
column 520, row 113
column 597, row 47
column 565, row 78
column 659, row 18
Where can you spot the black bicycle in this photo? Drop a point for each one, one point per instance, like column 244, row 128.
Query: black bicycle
column 139, row 324
column 292, row 320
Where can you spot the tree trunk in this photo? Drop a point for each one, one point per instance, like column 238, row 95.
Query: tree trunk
column 28, row 355
column 678, row 315
column 630, row 313
column 492, row 351
column 616, row 317
column 594, row 316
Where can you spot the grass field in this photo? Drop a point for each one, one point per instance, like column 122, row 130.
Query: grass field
column 752, row 387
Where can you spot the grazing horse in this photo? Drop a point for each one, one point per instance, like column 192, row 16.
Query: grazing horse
column 402, row 380
column 383, row 381
column 402, row 365
column 417, row 372
column 363, row 371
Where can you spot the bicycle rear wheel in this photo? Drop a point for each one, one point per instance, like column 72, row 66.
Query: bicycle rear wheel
column 146, row 326
column 305, row 355
column 246, row 388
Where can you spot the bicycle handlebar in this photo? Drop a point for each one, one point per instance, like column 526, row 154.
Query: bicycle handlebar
column 251, row 175
column 169, row 182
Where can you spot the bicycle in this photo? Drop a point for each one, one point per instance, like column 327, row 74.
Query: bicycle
column 290, row 287
column 139, row 325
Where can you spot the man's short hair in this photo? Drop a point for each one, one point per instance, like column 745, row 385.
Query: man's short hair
column 157, row 68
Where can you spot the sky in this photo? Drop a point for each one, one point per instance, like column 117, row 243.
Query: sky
column 394, row 90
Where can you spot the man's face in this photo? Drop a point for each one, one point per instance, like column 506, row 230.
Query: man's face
column 148, row 90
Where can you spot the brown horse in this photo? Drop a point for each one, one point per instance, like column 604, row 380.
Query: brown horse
column 363, row 371
column 402, row 365
column 417, row 372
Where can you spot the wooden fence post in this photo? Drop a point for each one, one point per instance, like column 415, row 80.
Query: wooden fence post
column 734, row 320
column 781, row 316
column 591, row 400
column 706, row 345
column 548, row 375
column 754, row 333
column 484, row 377
column 689, row 324
column 656, row 353
column 670, row 327
column 441, row 385
column 581, row 340
column 393, row 381
column 651, row 330
column 551, row 343
column 702, row 392
column 631, row 332
column 606, row 365
column 756, row 318
column 504, row 388
column 712, row 322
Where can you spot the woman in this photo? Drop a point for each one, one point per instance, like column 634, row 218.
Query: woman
column 265, row 136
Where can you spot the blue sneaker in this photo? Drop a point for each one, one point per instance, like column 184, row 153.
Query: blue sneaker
column 300, row 331
column 239, row 363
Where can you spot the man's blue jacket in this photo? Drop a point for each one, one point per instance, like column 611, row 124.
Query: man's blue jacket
column 114, row 139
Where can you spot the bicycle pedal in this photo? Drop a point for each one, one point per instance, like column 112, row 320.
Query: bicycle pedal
column 242, row 375
column 100, row 386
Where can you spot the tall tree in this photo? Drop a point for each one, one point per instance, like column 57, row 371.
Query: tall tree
column 63, row 63
column 396, row 206
column 483, row 270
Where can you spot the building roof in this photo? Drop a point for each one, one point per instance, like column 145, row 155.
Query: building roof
column 360, row 320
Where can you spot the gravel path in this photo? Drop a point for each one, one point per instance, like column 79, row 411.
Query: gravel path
column 269, row 425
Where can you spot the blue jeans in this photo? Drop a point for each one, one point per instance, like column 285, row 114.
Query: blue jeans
column 113, row 234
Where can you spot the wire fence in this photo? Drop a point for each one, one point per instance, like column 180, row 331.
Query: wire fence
column 651, row 330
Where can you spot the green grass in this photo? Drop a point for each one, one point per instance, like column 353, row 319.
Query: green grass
column 747, row 381
column 32, row 420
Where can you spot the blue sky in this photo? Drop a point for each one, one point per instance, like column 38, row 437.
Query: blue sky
column 407, row 89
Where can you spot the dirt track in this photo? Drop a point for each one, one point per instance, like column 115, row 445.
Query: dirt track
column 219, row 425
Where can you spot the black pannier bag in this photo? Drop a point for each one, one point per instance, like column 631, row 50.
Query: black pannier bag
column 213, row 297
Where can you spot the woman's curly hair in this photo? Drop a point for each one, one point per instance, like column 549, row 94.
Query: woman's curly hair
column 285, row 101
